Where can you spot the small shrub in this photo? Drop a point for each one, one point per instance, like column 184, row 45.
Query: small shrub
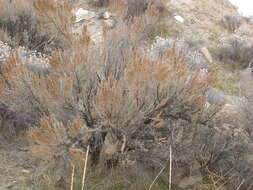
column 165, row 30
column 136, row 8
column 237, row 53
column 100, row 3
column 232, row 22
column 227, row 83
column 22, row 27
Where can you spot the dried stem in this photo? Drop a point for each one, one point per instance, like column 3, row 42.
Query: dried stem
column 85, row 166
column 170, row 168
column 72, row 178
column 161, row 171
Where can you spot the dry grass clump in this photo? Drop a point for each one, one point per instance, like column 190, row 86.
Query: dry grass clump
column 226, row 83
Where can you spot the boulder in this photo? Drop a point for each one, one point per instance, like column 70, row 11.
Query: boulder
column 106, row 15
column 179, row 18
column 82, row 14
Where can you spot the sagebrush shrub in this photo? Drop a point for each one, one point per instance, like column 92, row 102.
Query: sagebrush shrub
column 127, row 108
column 124, row 106
column 139, row 7
column 116, row 92
column 24, row 27
column 236, row 52
column 100, row 3
column 232, row 22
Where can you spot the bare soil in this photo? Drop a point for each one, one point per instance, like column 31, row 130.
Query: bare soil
column 16, row 165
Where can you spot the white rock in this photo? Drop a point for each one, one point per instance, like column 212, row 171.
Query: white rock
column 82, row 14
column 179, row 18
column 106, row 15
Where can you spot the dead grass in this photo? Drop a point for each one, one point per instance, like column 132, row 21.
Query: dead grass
column 228, row 83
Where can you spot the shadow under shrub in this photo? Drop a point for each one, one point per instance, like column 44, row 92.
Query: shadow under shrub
column 11, row 122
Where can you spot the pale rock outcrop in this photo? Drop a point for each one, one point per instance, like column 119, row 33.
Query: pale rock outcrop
column 94, row 22
column 82, row 14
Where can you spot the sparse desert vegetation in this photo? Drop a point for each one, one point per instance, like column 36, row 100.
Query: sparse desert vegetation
column 109, row 98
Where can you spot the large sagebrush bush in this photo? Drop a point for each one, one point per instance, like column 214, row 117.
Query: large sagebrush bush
column 125, row 107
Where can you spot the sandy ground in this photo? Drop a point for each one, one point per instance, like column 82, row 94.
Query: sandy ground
column 16, row 165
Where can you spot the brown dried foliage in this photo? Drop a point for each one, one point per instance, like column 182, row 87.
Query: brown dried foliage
column 54, row 138
column 78, row 85
column 81, row 81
